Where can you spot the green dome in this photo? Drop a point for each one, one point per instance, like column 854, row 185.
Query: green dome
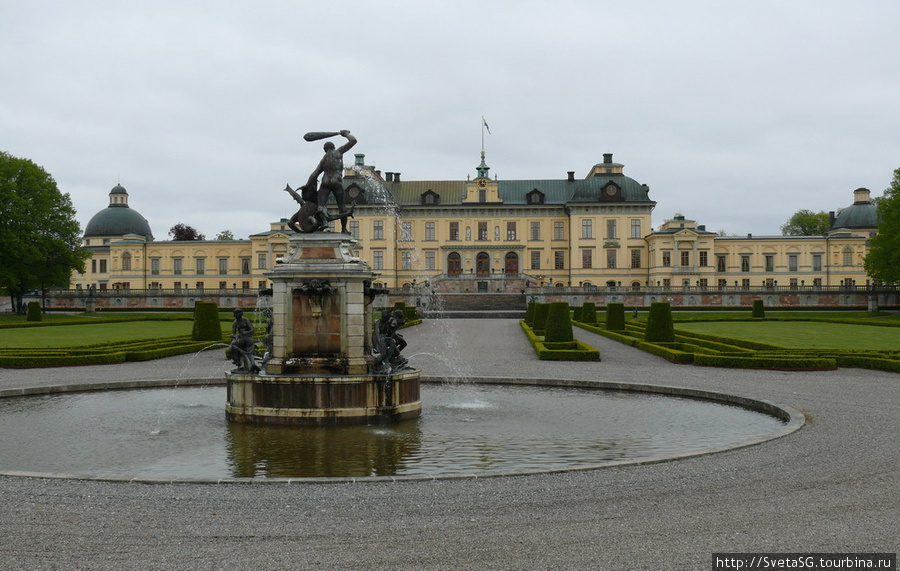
column 118, row 218
column 861, row 214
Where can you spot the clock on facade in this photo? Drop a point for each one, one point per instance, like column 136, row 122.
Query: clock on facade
column 482, row 183
column 611, row 190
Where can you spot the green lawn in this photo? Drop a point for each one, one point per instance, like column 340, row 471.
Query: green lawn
column 802, row 333
column 90, row 334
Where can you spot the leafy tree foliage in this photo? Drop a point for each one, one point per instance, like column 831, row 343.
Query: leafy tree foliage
column 40, row 240
column 807, row 223
column 184, row 233
column 225, row 235
column 883, row 260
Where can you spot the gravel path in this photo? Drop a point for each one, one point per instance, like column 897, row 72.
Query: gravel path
column 832, row 486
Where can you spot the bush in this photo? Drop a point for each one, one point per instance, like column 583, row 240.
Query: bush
column 559, row 323
column 529, row 313
column 615, row 316
column 576, row 313
column 540, row 318
column 564, row 351
column 34, row 311
column 207, row 325
column 659, row 323
column 758, row 309
column 589, row 313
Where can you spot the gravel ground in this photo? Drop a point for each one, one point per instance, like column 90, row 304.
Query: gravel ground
column 830, row 487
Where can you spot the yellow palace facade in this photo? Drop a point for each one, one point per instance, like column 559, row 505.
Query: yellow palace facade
column 487, row 235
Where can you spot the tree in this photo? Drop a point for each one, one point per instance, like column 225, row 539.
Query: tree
column 40, row 240
column 225, row 235
column 807, row 223
column 184, row 233
column 883, row 260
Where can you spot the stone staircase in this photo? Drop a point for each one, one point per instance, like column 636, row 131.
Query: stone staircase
column 477, row 305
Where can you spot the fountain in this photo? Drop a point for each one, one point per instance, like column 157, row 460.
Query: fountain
column 322, row 367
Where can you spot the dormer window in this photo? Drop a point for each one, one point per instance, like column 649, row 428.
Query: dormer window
column 430, row 197
column 535, row 197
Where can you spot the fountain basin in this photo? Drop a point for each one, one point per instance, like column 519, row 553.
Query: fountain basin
column 467, row 430
column 323, row 400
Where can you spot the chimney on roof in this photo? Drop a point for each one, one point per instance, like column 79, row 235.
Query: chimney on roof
column 360, row 159
column 377, row 173
column 607, row 158
column 831, row 219
column 388, row 176
column 702, row 227
column 396, row 177
column 861, row 196
column 571, row 176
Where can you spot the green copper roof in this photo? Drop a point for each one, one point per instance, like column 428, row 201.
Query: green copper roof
column 859, row 215
column 118, row 220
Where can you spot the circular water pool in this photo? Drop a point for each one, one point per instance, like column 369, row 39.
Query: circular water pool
column 173, row 433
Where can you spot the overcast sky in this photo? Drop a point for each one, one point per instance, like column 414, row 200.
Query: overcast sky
column 735, row 113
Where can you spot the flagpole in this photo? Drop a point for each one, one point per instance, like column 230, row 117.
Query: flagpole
column 482, row 135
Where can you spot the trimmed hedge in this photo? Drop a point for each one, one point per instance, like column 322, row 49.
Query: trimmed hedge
column 540, row 318
column 529, row 313
column 207, row 325
column 34, row 311
column 765, row 362
column 759, row 310
column 659, row 323
column 615, row 316
column 561, row 351
column 589, row 313
column 559, row 323
column 672, row 353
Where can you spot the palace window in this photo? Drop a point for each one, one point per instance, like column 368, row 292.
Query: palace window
column 223, row 266
column 770, row 262
column 406, row 231
column 559, row 260
column 378, row 230
column 482, row 231
column 704, row 258
column 635, row 227
column 720, row 262
column 261, row 261
column 535, row 230
column 611, row 229
column 559, row 230
column 587, row 259
column 430, row 259
column 685, row 258
column 454, row 231
column 154, row 266
column 406, row 260
column 177, row 266
column 126, row 261
column 429, row 231
column 667, row 259
column 848, row 256
column 611, row 259
column 353, row 226
column 587, row 228
column 635, row 259
column 245, row 267
column 817, row 262
column 510, row 230
column 200, row 266
column 745, row 263
column 792, row 263
column 536, row 260
column 378, row 259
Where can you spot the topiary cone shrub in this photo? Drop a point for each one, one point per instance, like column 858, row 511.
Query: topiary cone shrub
column 758, row 308
column 659, row 323
column 540, row 318
column 529, row 313
column 207, row 326
column 34, row 311
column 615, row 316
column 559, row 323
column 589, row 313
column 576, row 313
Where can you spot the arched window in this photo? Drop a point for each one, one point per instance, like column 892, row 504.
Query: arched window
column 482, row 263
column 454, row 263
column 126, row 261
column 512, row 263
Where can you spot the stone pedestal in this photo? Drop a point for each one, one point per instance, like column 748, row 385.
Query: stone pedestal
column 321, row 371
